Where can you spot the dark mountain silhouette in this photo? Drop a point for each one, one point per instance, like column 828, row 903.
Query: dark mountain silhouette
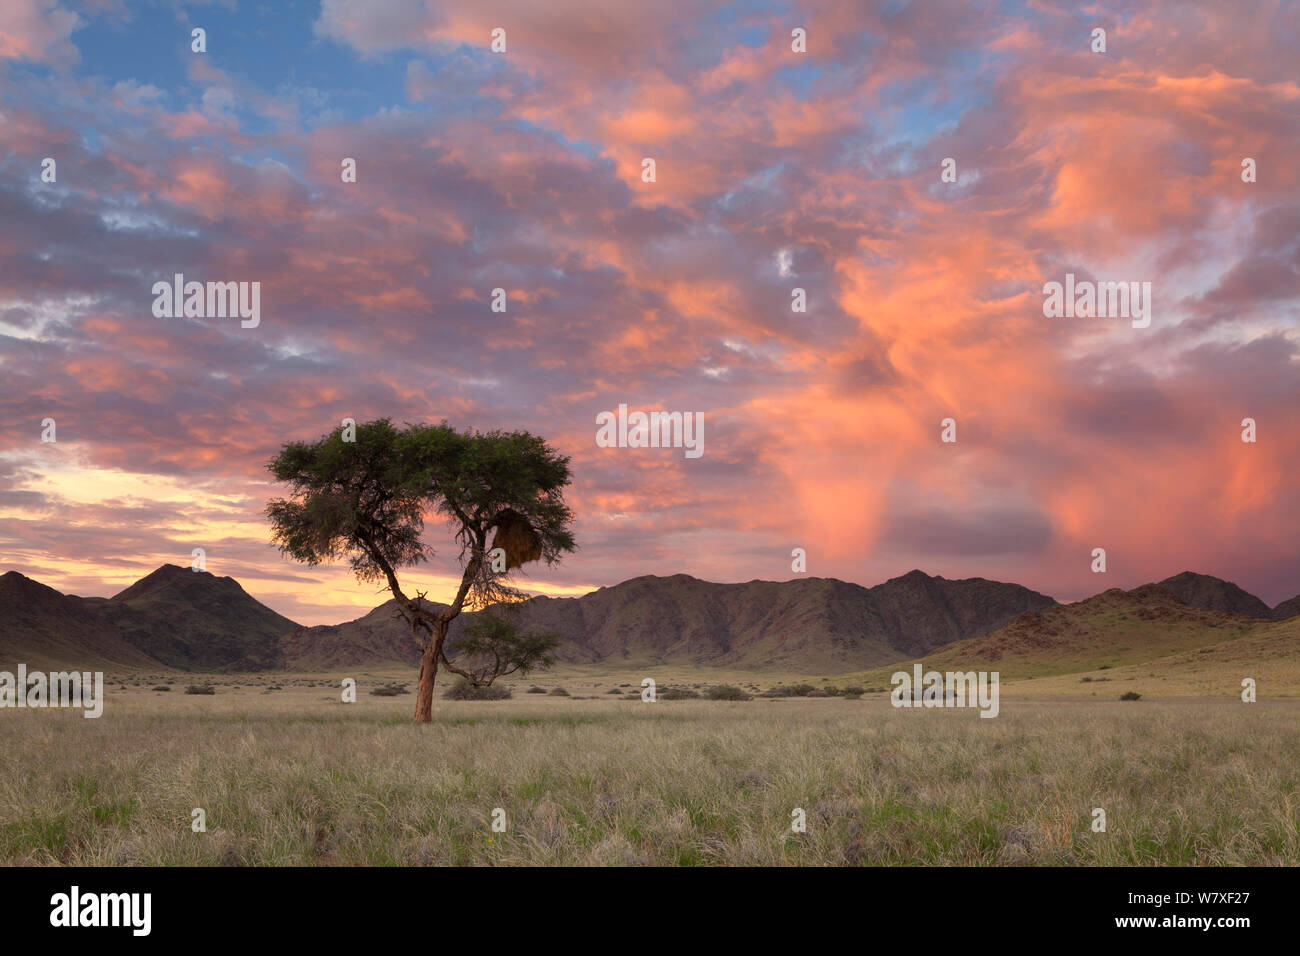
column 1215, row 594
column 41, row 627
column 191, row 620
column 379, row 637
column 1110, row 629
column 1287, row 609
column 808, row 624
column 176, row 617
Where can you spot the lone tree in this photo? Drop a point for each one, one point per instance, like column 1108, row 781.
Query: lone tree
column 367, row 500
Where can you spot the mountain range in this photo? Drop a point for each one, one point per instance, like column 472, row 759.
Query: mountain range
column 195, row 621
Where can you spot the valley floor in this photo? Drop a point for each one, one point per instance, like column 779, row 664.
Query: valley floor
column 295, row 776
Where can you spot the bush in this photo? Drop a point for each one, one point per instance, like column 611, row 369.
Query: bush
column 163, row 687
column 491, row 646
column 676, row 693
column 816, row 693
column 464, row 690
column 536, row 690
column 200, row 689
column 801, row 690
column 388, row 690
column 613, row 690
column 853, row 693
column 726, row 692
column 1131, row 695
column 560, row 692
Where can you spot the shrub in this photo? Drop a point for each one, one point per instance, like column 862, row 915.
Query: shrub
column 801, row 690
column 613, row 690
column 389, row 690
column 560, row 692
column 163, row 687
column 464, row 690
column 492, row 646
column 1131, row 695
column 853, row 692
column 676, row 693
column 200, row 689
column 726, row 692
column 815, row 692
column 536, row 690
column 1085, row 680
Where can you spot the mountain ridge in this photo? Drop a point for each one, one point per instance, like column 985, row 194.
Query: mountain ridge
column 192, row 620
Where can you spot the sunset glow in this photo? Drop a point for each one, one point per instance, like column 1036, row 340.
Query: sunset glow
column 774, row 170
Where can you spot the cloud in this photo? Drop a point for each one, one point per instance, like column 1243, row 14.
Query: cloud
column 38, row 30
column 522, row 172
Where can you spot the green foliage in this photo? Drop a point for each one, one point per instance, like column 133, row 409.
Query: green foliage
column 676, row 693
column 366, row 500
column 464, row 690
column 726, row 692
column 492, row 647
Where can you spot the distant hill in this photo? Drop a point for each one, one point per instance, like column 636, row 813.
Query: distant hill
column 42, row 628
column 379, row 637
column 1215, row 594
column 1111, row 630
column 193, row 620
column 174, row 617
column 1287, row 609
column 188, row 620
column 810, row 624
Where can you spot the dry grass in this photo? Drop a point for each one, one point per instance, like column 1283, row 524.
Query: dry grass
column 296, row 777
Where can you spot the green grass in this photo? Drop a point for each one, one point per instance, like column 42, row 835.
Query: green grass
column 300, row 778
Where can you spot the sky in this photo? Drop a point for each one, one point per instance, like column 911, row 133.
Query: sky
column 774, row 170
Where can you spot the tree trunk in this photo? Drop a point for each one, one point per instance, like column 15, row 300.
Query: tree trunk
column 428, row 673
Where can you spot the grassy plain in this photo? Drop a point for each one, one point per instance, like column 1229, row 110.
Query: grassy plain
column 295, row 776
